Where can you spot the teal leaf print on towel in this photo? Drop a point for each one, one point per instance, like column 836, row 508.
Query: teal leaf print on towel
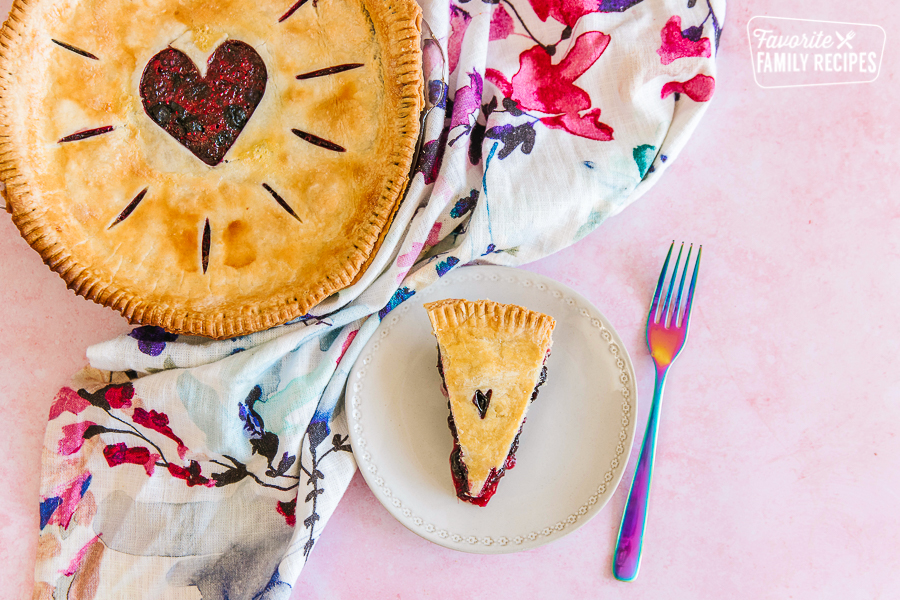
column 224, row 432
column 327, row 340
column 593, row 220
column 643, row 157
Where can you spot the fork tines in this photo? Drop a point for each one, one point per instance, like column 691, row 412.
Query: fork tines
column 680, row 315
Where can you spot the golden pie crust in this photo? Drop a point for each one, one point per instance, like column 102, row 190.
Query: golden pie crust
column 484, row 346
column 264, row 266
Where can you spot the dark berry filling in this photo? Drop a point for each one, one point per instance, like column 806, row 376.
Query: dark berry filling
column 482, row 401
column 440, row 368
column 329, row 71
column 205, row 115
column 317, row 141
column 461, row 473
column 74, row 49
column 458, row 467
column 130, row 208
column 281, row 201
column 293, row 9
column 83, row 135
column 541, row 380
column 204, row 247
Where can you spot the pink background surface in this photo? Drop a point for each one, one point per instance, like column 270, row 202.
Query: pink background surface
column 777, row 472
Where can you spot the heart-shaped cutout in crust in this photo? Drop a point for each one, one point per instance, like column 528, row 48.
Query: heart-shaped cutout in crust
column 205, row 115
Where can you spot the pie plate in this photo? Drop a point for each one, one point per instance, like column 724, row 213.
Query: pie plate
column 573, row 448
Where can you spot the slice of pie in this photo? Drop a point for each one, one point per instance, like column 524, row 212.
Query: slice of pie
column 213, row 168
column 491, row 358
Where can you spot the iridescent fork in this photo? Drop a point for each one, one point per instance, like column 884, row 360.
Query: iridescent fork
column 666, row 333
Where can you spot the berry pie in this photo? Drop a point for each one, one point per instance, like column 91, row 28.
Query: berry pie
column 214, row 168
column 491, row 359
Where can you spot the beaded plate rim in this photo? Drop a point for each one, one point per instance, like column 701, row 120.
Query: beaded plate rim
column 485, row 544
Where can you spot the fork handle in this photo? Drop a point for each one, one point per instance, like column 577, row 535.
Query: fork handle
column 627, row 559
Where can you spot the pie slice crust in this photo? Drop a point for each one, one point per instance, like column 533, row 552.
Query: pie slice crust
column 211, row 168
column 491, row 360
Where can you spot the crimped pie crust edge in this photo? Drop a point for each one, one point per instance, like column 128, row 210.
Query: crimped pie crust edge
column 451, row 313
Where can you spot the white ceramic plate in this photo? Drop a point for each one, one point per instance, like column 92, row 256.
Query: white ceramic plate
column 572, row 450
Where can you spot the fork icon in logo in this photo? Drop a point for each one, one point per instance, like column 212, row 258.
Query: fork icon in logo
column 845, row 40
